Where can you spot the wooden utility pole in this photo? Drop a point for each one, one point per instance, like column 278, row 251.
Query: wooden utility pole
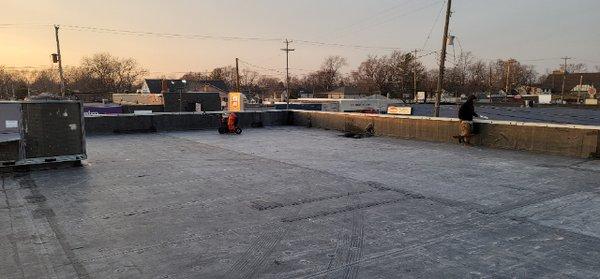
column 287, row 50
column 562, row 91
column 507, row 87
column 60, row 69
column 440, row 84
column 415, row 74
column 508, row 77
column 580, row 88
column 237, row 75
column 490, row 89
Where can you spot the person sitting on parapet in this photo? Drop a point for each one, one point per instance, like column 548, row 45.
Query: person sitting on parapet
column 466, row 114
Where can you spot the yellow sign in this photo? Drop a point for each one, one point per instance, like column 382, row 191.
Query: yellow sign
column 235, row 101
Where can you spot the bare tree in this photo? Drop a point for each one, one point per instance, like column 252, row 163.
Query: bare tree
column 330, row 71
column 46, row 80
column 372, row 76
column 270, row 86
column 104, row 73
column 12, row 84
column 392, row 75
column 195, row 76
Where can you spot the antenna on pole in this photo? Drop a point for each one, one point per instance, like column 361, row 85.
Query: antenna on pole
column 287, row 50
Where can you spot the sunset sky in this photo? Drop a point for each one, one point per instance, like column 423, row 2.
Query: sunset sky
column 540, row 31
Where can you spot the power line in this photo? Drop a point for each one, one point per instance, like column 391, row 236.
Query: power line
column 261, row 67
column 25, row 67
column 11, row 25
column 204, row 37
column 371, row 17
column 230, row 38
column 388, row 19
column 588, row 61
column 201, row 37
column 166, row 35
column 437, row 18
column 538, row 59
column 345, row 45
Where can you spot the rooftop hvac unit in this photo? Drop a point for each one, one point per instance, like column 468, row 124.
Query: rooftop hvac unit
column 38, row 132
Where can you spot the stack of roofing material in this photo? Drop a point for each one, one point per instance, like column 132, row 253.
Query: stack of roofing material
column 37, row 132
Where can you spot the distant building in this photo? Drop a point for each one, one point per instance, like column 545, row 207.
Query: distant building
column 91, row 97
column 534, row 89
column 553, row 83
column 306, row 95
column 209, row 86
column 156, row 86
column 374, row 104
column 344, row 92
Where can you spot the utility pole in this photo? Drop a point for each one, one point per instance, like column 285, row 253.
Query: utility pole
column 440, row 84
column 60, row 69
column 287, row 50
column 580, row 88
column 508, row 76
column 562, row 92
column 237, row 75
column 490, row 89
column 415, row 74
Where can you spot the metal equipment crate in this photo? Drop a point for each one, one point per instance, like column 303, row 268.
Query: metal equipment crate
column 38, row 132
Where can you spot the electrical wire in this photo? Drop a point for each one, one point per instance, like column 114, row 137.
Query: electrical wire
column 204, row 37
column 371, row 17
column 588, row 61
column 198, row 36
column 345, row 45
column 388, row 19
column 437, row 18
column 260, row 67
column 12, row 25
column 166, row 35
column 260, row 39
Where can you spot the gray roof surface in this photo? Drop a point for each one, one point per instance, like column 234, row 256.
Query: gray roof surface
column 291, row 202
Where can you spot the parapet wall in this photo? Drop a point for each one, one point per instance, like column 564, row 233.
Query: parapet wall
column 131, row 123
column 566, row 140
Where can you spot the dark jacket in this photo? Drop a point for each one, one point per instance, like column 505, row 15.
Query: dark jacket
column 467, row 111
